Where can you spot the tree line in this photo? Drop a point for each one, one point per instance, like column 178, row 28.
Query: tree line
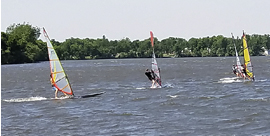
column 20, row 44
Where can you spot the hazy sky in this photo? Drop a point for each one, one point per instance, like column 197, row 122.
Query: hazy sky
column 117, row 19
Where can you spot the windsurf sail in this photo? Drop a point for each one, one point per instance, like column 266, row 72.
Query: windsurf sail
column 238, row 63
column 155, row 67
column 248, row 66
column 58, row 74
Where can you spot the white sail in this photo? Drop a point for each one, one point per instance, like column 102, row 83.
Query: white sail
column 238, row 63
column 155, row 67
column 57, row 72
column 156, row 70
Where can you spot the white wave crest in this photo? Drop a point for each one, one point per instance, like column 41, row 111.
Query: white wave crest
column 37, row 98
column 173, row 96
column 263, row 80
column 141, row 88
column 229, row 80
column 61, row 98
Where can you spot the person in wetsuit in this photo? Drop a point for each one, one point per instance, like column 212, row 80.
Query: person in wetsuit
column 245, row 72
column 234, row 69
column 151, row 76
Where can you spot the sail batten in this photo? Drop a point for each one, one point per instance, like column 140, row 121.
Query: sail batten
column 58, row 74
column 65, row 87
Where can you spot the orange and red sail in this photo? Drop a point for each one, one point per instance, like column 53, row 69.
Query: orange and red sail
column 152, row 38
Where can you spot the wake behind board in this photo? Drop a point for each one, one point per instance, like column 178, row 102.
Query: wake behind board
column 90, row 95
column 155, row 87
column 78, row 97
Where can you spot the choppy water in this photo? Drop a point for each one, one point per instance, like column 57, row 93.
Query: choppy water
column 200, row 97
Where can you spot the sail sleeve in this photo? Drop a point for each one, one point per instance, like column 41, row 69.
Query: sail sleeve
column 248, row 66
column 58, row 74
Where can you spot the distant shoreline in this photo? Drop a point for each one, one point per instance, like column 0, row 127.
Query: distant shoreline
column 133, row 58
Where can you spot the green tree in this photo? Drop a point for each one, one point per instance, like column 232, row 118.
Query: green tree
column 43, row 53
column 195, row 49
column 20, row 38
column 20, row 45
column 5, row 52
column 32, row 52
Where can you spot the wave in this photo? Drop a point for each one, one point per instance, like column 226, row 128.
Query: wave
column 260, row 80
column 168, row 85
column 257, row 99
column 61, row 97
column 140, row 98
column 172, row 96
column 37, row 98
column 164, row 86
column 227, row 78
column 230, row 80
column 141, row 88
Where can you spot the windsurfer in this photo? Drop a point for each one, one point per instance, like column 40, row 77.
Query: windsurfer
column 237, row 70
column 245, row 72
column 234, row 70
column 54, row 88
column 151, row 76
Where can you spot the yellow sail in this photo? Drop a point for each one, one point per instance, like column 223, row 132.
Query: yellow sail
column 248, row 66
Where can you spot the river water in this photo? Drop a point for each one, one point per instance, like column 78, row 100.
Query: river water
column 199, row 97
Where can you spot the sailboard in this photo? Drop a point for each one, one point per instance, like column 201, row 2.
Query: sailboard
column 248, row 67
column 155, row 67
column 90, row 95
column 58, row 74
column 238, row 63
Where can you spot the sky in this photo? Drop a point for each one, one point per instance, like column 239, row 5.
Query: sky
column 134, row 19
